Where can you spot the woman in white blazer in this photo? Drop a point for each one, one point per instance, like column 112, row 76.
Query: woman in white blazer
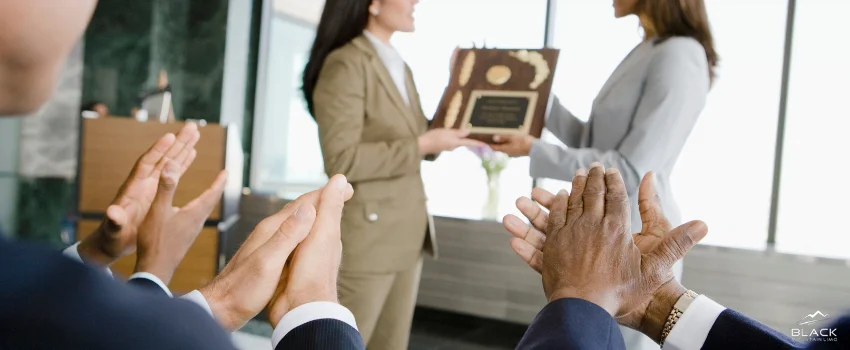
column 643, row 115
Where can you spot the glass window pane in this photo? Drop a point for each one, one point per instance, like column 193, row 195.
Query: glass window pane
column 814, row 167
column 287, row 158
column 735, row 137
column 456, row 184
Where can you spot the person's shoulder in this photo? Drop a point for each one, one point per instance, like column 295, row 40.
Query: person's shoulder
column 679, row 46
column 350, row 53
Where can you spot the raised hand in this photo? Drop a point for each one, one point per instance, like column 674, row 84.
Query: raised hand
column 167, row 232
column 246, row 285
column 529, row 240
column 437, row 140
column 116, row 235
column 312, row 275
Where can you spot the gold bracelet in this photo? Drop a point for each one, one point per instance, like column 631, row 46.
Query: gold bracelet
column 678, row 309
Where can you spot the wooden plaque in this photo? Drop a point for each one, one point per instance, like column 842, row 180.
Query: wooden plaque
column 498, row 92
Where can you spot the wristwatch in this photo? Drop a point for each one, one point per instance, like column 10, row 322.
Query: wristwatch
column 678, row 309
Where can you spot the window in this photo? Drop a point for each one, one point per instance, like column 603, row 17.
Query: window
column 814, row 171
column 735, row 136
column 456, row 184
column 283, row 124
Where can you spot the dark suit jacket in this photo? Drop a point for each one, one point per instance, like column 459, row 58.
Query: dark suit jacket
column 733, row 330
column 50, row 302
column 572, row 324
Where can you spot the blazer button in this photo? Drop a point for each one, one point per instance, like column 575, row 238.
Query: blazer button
column 373, row 217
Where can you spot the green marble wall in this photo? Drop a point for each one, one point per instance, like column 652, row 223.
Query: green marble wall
column 129, row 42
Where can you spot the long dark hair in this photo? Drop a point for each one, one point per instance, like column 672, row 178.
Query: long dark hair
column 669, row 18
column 342, row 21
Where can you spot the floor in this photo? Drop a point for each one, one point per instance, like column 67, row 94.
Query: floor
column 432, row 330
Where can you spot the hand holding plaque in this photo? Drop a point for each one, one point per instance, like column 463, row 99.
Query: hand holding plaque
column 498, row 92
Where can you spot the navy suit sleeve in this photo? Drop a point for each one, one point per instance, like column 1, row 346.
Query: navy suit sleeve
column 733, row 330
column 322, row 334
column 51, row 302
column 147, row 285
column 572, row 324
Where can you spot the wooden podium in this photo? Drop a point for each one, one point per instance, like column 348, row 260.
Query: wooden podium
column 109, row 148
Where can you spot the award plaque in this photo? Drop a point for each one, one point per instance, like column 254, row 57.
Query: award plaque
column 498, row 92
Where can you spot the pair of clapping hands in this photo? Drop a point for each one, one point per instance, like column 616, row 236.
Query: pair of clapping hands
column 261, row 274
column 584, row 249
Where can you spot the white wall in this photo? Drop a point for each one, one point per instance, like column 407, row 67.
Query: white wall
column 307, row 10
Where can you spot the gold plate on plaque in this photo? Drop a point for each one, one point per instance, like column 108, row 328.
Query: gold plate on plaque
column 500, row 112
column 498, row 75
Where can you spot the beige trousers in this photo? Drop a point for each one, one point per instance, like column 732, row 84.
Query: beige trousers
column 382, row 304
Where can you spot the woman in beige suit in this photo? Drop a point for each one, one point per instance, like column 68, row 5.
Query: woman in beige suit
column 372, row 130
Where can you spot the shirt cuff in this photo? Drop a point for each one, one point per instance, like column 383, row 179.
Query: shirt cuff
column 196, row 297
column 154, row 279
column 693, row 326
column 73, row 252
column 311, row 312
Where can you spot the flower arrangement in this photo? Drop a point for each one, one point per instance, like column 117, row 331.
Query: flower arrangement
column 493, row 163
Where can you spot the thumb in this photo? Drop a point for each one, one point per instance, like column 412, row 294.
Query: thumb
column 678, row 242
column 115, row 220
column 649, row 204
column 167, row 186
column 293, row 231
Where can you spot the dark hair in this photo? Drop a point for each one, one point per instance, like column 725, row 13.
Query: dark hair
column 342, row 21
column 669, row 18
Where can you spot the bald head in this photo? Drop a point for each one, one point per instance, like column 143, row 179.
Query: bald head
column 35, row 39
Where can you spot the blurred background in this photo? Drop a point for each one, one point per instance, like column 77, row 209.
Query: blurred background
column 763, row 167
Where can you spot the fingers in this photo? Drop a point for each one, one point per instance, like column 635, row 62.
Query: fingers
column 330, row 208
column 594, row 194
column 535, row 214
column 148, row 161
column 189, row 160
column 651, row 215
column 543, row 197
column 460, row 133
column 524, row 231
column 187, row 136
column 558, row 213
column 678, row 242
column 533, row 257
column 293, row 231
column 576, row 202
column 617, row 208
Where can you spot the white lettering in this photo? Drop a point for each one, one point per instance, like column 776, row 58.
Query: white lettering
column 795, row 332
column 832, row 332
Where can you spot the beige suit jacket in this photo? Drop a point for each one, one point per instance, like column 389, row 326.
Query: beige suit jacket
column 369, row 134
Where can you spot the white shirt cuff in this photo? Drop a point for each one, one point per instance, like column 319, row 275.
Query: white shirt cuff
column 73, row 252
column 154, row 279
column 311, row 312
column 196, row 297
column 693, row 326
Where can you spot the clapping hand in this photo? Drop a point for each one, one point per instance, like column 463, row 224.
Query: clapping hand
column 116, row 235
column 167, row 232
column 257, row 271
column 658, row 247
